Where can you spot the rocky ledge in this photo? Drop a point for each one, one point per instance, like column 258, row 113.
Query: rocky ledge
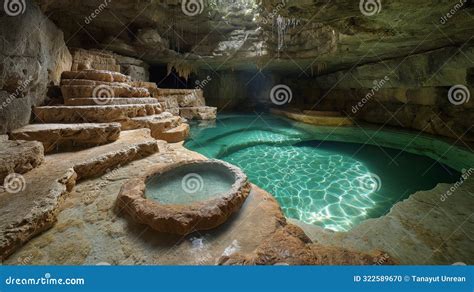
column 429, row 227
column 19, row 156
column 289, row 245
column 31, row 203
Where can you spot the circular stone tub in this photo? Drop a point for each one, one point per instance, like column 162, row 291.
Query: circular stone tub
column 185, row 197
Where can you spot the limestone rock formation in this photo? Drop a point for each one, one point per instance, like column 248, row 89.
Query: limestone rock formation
column 183, row 219
column 309, row 45
column 32, row 208
column 93, row 60
column 289, row 245
column 19, row 157
column 32, row 57
column 68, row 136
column 99, row 104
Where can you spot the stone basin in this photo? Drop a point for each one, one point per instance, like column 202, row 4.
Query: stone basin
column 185, row 197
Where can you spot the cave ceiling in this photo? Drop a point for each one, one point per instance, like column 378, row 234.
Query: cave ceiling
column 311, row 36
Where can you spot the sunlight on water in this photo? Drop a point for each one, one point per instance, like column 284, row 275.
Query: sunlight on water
column 331, row 184
column 314, row 186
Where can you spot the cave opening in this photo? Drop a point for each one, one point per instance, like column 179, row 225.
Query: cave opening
column 159, row 75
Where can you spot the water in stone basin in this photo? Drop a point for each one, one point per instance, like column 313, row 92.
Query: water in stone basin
column 331, row 184
column 184, row 186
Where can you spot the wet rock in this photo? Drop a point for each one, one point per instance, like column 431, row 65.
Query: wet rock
column 289, row 245
column 198, row 113
column 183, row 219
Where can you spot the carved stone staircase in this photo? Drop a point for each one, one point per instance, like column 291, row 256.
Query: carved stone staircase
column 98, row 104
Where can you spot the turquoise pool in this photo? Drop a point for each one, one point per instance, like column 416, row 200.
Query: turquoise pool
column 315, row 179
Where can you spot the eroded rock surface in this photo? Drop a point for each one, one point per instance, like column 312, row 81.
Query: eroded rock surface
column 68, row 136
column 32, row 207
column 19, row 157
column 289, row 245
column 430, row 227
column 90, row 225
column 93, row 114
column 33, row 54
column 188, row 218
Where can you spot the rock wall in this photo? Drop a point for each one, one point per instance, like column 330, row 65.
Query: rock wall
column 106, row 60
column 428, row 92
column 135, row 68
column 32, row 56
column 93, row 59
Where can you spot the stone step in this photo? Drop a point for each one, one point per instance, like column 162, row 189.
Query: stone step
column 111, row 101
column 19, row 157
column 174, row 111
column 103, row 91
column 177, row 134
column 93, row 114
column 98, row 75
column 198, row 113
column 170, row 104
column 33, row 208
column 172, row 91
column 65, row 137
column 171, row 101
column 148, row 85
column 156, row 123
column 68, row 82
column 190, row 100
column 78, row 66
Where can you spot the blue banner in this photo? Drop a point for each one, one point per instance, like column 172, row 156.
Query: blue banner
column 276, row 278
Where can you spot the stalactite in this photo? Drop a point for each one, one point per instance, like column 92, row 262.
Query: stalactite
column 318, row 67
column 282, row 25
column 184, row 70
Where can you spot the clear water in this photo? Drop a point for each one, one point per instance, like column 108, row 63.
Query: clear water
column 186, row 186
column 331, row 184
